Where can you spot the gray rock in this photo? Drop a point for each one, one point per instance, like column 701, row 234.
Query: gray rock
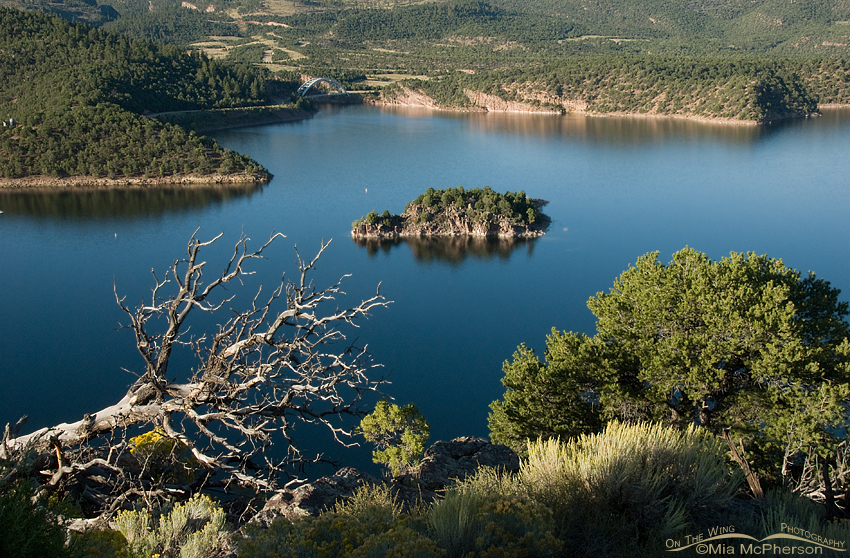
column 315, row 497
column 444, row 462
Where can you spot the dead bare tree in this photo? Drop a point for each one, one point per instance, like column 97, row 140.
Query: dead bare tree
column 281, row 360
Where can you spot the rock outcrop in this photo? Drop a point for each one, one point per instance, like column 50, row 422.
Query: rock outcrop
column 459, row 212
column 444, row 462
column 492, row 103
column 315, row 497
column 452, row 221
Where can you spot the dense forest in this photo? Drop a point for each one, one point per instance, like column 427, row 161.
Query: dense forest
column 72, row 97
column 174, row 25
column 482, row 34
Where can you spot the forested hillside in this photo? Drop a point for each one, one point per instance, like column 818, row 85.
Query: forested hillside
column 88, row 11
column 739, row 89
column 512, row 28
column 72, row 97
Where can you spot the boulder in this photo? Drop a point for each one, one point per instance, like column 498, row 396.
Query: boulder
column 445, row 462
column 315, row 497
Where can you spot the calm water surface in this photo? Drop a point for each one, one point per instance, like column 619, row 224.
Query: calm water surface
column 617, row 187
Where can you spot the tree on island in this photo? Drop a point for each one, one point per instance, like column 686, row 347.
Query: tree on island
column 479, row 211
column 744, row 347
column 279, row 361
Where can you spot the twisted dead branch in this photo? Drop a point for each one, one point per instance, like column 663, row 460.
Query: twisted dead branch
column 281, row 360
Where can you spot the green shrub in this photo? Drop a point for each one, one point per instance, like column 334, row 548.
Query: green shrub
column 456, row 520
column 26, row 528
column 350, row 534
column 627, row 489
column 371, row 503
column 99, row 543
column 331, row 535
column 259, row 542
column 164, row 458
column 193, row 529
column 399, row 433
column 398, row 542
column 490, row 515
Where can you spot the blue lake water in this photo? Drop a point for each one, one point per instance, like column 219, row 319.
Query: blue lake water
column 617, row 187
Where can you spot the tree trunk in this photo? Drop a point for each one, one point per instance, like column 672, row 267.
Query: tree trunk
column 740, row 458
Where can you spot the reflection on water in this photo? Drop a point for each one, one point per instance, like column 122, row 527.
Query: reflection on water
column 123, row 202
column 452, row 250
column 615, row 129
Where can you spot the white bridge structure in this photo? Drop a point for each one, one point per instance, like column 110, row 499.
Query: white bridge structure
column 339, row 89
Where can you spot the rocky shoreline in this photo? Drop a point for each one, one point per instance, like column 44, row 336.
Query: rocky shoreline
column 451, row 219
column 91, row 182
column 483, row 103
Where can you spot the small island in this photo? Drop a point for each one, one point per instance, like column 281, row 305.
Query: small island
column 459, row 212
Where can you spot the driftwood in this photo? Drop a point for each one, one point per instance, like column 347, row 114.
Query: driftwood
column 266, row 368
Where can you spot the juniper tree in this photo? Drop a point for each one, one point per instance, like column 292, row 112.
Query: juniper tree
column 744, row 346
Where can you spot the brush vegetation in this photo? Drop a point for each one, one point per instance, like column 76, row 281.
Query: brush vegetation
column 746, row 90
column 619, row 493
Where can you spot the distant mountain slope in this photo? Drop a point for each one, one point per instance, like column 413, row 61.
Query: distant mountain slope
column 760, row 25
column 88, row 11
column 697, row 27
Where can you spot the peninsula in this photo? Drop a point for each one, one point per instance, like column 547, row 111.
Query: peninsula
column 459, row 212
column 74, row 101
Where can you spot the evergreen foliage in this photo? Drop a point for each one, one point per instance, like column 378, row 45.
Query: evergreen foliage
column 104, row 141
column 87, row 11
column 477, row 206
column 53, row 65
column 743, row 343
column 74, row 94
column 443, row 19
column 175, row 25
column 759, row 90
column 399, row 433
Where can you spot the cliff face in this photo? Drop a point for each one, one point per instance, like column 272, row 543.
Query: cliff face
column 493, row 103
column 481, row 102
column 411, row 98
column 452, row 220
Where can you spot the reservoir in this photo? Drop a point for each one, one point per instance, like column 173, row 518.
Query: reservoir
column 617, row 189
